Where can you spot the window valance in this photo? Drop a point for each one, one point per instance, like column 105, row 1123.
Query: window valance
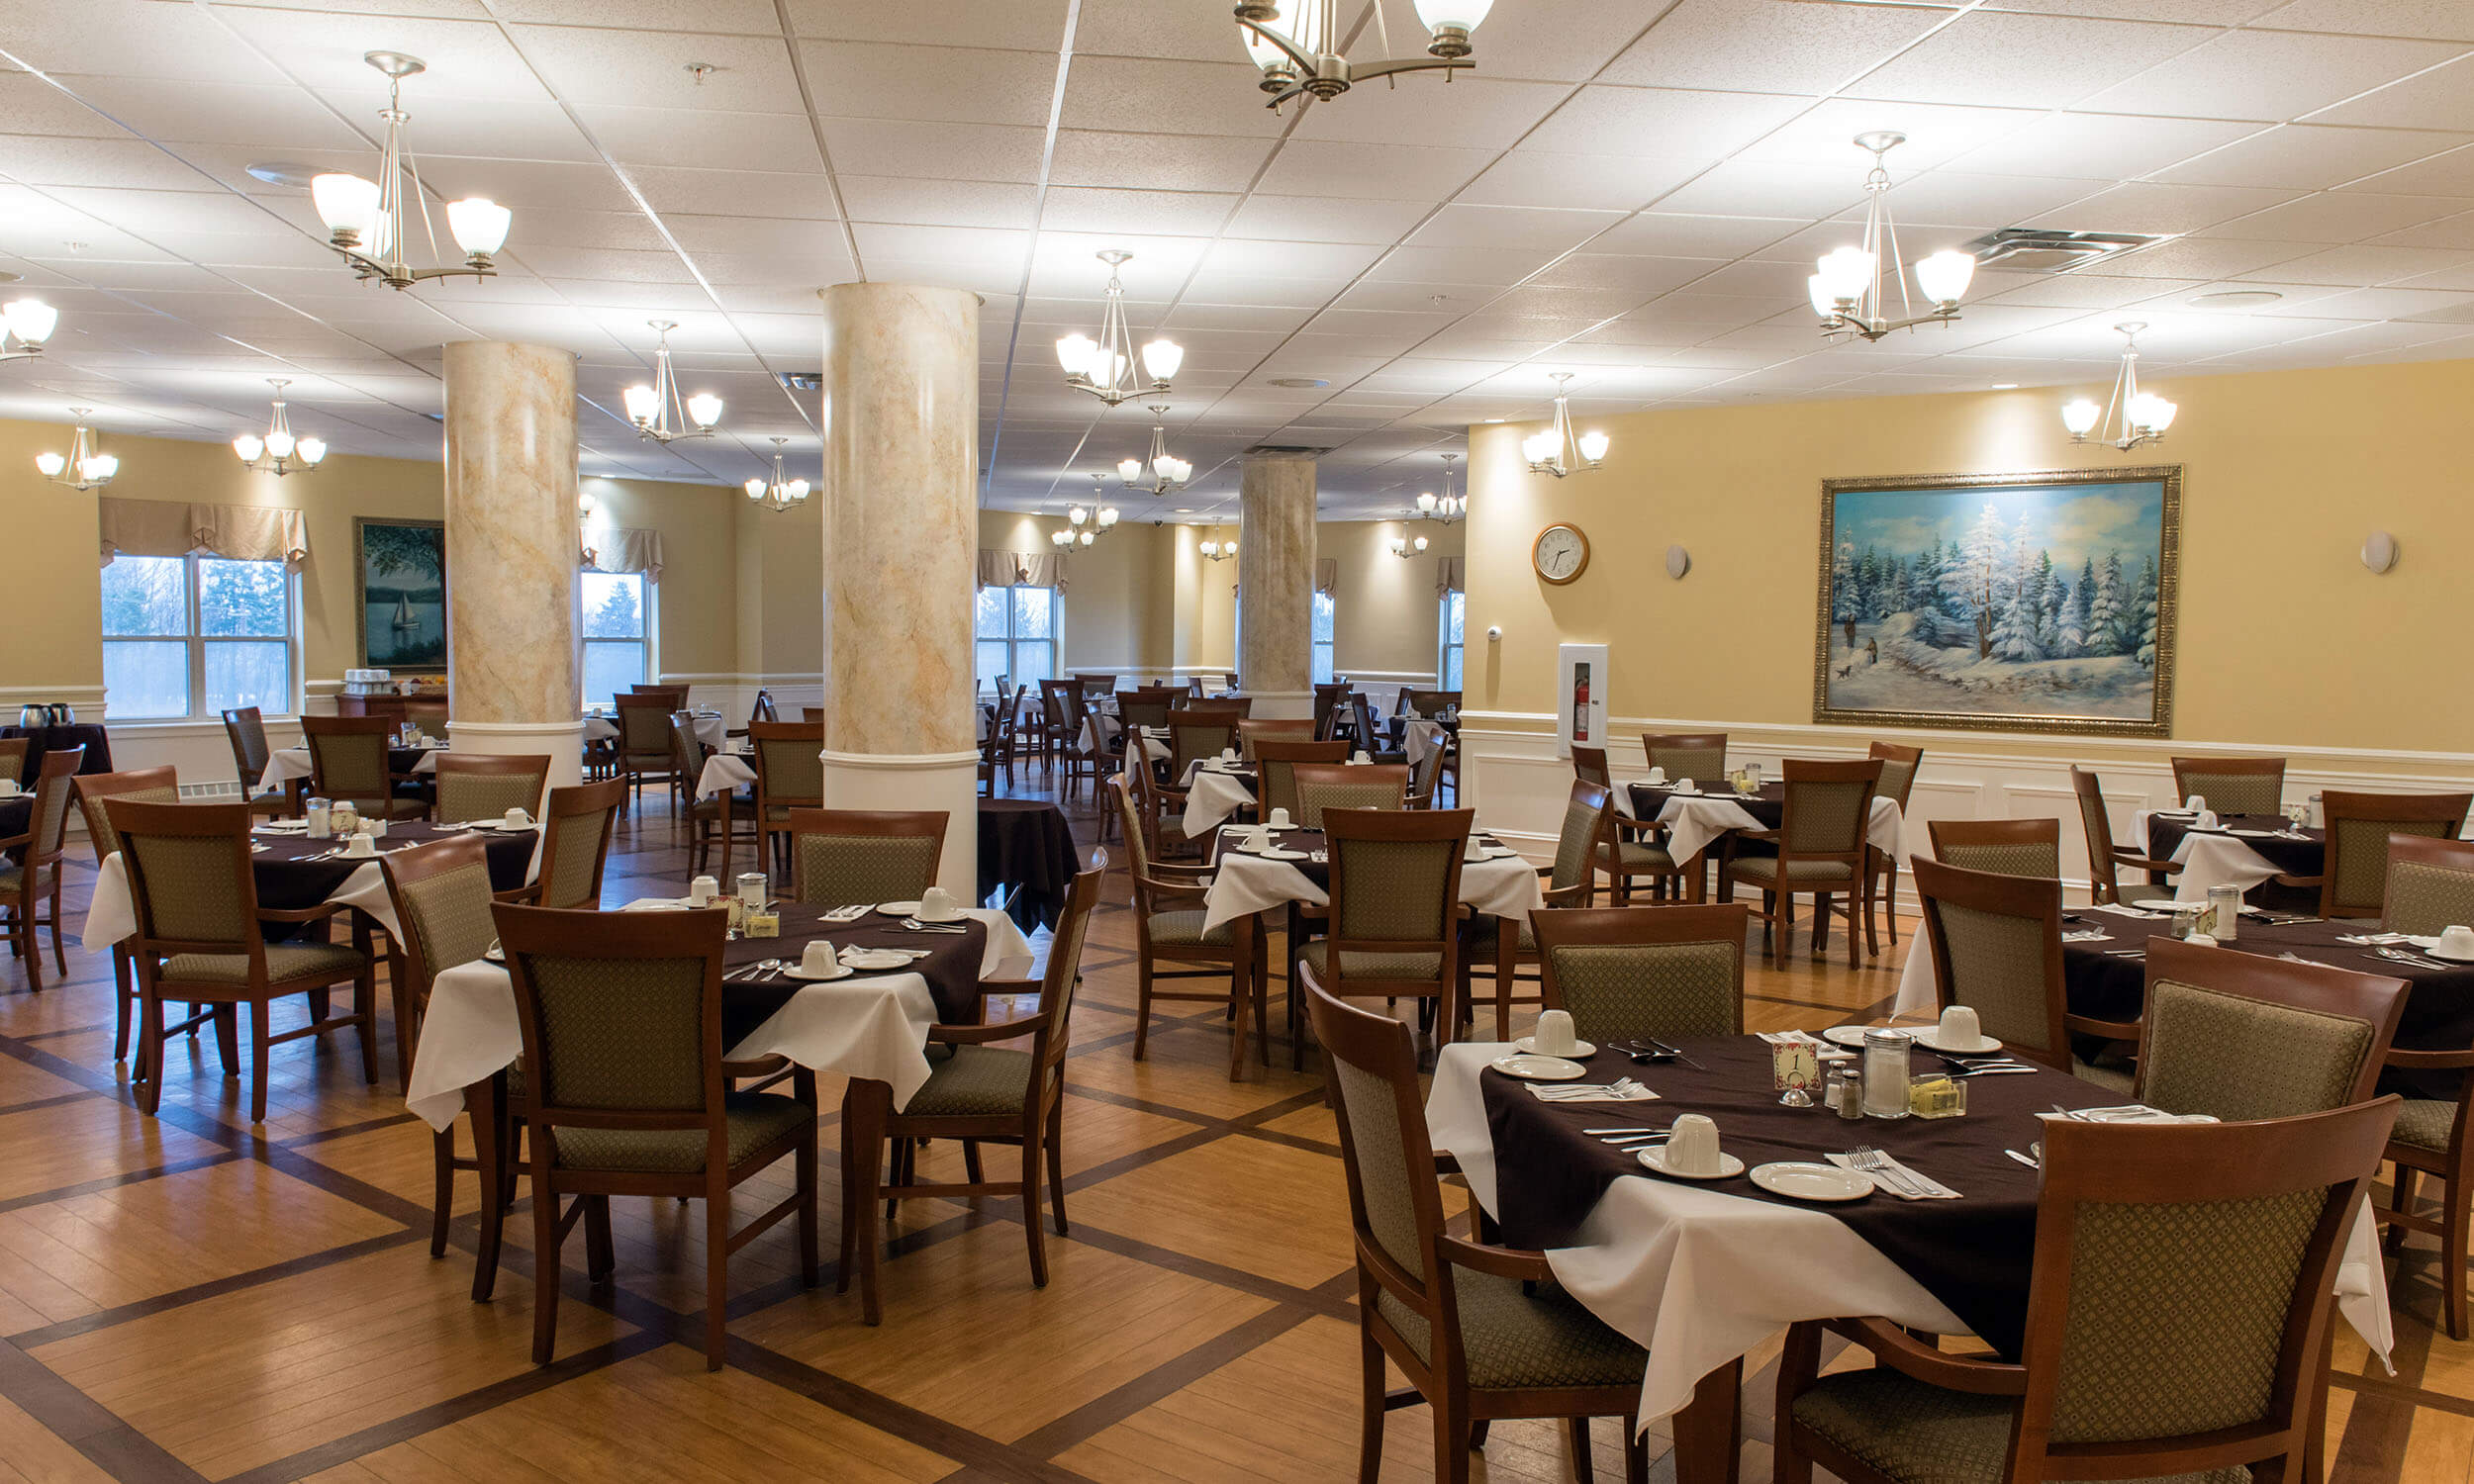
column 171, row 529
column 1327, row 573
column 1451, row 575
column 611, row 548
column 1021, row 569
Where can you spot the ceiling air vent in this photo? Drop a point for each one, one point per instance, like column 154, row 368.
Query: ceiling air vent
column 2040, row 249
column 1285, row 450
column 800, row 381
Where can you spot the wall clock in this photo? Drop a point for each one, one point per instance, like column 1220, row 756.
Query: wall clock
column 1561, row 553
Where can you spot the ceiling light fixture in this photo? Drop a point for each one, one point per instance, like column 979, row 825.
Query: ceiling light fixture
column 1445, row 509
column 1555, row 450
column 1295, row 43
column 1105, row 367
column 1404, row 548
column 1086, row 523
column 91, row 467
column 1218, row 551
column 2132, row 417
column 777, row 495
column 656, row 411
column 1169, row 473
column 1850, row 289
column 365, row 219
column 25, row 324
column 276, row 451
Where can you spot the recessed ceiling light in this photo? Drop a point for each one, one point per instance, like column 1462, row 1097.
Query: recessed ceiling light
column 1302, row 383
column 1182, row 509
column 2005, row 386
column 286, row 172
column 2237, row 299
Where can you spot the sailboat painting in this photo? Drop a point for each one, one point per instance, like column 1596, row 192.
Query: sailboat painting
column 402, row 578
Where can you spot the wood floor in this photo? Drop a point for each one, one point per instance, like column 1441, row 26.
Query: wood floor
column 192, row 1297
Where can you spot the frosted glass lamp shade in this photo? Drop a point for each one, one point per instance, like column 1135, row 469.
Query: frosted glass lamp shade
column 479, row 224
column 1945, row 276
column 2080, row 417
column 347, row 204
column 30, row 320
column 642, row 403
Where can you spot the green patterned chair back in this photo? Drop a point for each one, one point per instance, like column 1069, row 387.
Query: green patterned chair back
column 576, row 825
column 488, row 796
column 2424, row 896
column 623, row 1034
column 2206, row 1051
column 843, row 869
column 1585, row 822
column 687, row 747
column 1143, row 708
column 1825, row 817
column 446, row 918
column 1190, row 742
column 349, row 764
column 1391, row 1167
column 49, row 823
column 245, row 727
column 1997, row 966
column 2360, row 827
column 1395, row 890
column 1064, row 973
column 2038, row 859
column 2239, row 791
column 1618, row 991
column 1423, row 776
column 1276, row 770
column 192, row 888
column 1380, row 790
column 1129, row 813
column 96, row 792
column 1701, row 763
column 792, row 768
column 645, row 727
column 1898, row 776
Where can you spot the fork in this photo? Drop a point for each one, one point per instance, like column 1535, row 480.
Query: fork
column 2400, row 956
column 1873, row 1162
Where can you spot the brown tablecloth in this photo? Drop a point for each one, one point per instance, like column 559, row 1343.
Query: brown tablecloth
column 1974, row 1254
column 951, row 968
column 2307, row 856
column 295, row 873
column 17, row 816
column 1027, row 845
column 42, row 739
column 1768, row 805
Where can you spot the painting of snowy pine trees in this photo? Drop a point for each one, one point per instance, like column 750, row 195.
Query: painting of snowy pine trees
column 2014, row 602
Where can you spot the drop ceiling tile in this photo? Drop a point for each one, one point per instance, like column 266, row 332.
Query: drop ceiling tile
column 135, row 39
column 611, row 263
column 2364, row 267
column 938, row 203
column 1459, row 226
column 729, row 17
column 943, row 84
column 2079, row 290
column 2442, row 98
column 1467, row 113
column 2449, row 232
column 2438, row 20
column 1670, row 123
column 1985, row 201
column 1162, row 213
column 2340, row 217
column 1555, row 41
column 1146, row 28
column 516, row 128
column 1601, row 182
column 2273, row 76
column 1269, row 289
column 1713, row 310
column 123, row 163
column 1160, row 162
column 1677, row 235
column 750, row 233
column 1324, row 219
column 696, row 137
column 934, row 151
column 2308, row 156
column 1311, row 260
column 2151, row 206
column 1641, row 276
column 1395, row 172
column 1769, row 46
column 650, row 68
column 2106, row 146
column 1993, row 57
column 525, row 184
column 219, row 113
column 1936, row 134
column 1022, row 24
column 1743, row 188
column 468, row 60
column 2374, row 304
column 1485, row 267
column 1128, row 95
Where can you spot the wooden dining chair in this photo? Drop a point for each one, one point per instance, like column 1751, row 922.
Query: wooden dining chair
column 1822, row 851
column 93, row 792
column 843, row 858
column 201, row 939
column 1168, row 902
column 645, row 753
column 2231, row 786
column 1251, row 733
column 2430, row 886
column 2006, row 846
column 711, row 822
column 1346, row 785
column 1699, row 756
column 350, row 762
column 2244, row 1036
column 34, row 879
column 476, row 785
column 576, row 826
column 2104, row 859
column 626, row 1093
column 2148, row 1242
column 810, row 716
column 1482, row 1332
column 1898, row 779
column 1996, row 945
column 1569, row 882
column 1631, row 849
column 1330, row 705
column 1149, row 706
column 1426, row 777
column 244, row 728
column 13, row 759
column 1627, row 972
column 1393, row 932
column 978, row 1091
column 2361, row 830
column 789, row 758
column 1275, row 770
column 1195, row 734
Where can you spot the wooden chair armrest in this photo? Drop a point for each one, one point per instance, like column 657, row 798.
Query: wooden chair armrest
column 974, row 1035
column 529, row 891
column 2111, row 1030
column 2300, row 880
column 1501, row 1261
column 1163, row 894
column 2122, row 855
column 319, row 913
column 15, row 841
column 1910, row 1356
column 2431, row 1060
column 1010, row 986
column 1771, row 836
column 1575, row 894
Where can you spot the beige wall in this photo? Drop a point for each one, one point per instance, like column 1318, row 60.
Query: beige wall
column 1206, row 595
column 2285, row 640
column 1117, row 607
column 1384, row 609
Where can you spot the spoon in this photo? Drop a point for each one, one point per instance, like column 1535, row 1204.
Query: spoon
column 758, row 969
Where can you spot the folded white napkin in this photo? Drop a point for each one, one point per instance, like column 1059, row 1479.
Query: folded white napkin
column 1588, row 1092
column 2116, row 910
column 2089, row 934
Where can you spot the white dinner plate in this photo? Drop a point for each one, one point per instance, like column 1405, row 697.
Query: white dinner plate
column 837, row 972
column 1847, row 1035
column 873, row 959
column 1537, row 1068
column 1579, row 1047
column 898, row 908
column 271, row 826
column 1279, row 853
column 1729, row 1166
column 654, row 906
column 1797, row 1180
column 1931, row 1041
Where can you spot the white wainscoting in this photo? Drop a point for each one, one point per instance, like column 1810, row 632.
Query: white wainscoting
column 1511, row 775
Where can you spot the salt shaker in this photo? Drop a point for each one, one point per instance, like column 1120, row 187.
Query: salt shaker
column 1886, row 1074
column 1846, row 1092
column 2225, row 902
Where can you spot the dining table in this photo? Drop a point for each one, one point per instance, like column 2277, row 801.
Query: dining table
column 1214, row 791
column 1701, row 1272
column 2247, row 851
column 286, row 764
column 1026, row 850
column 17, row 816
column 1503, row 884
column 1695, row 821
column 51, row 738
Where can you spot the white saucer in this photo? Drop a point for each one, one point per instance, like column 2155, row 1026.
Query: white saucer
column 1852, row 1035
column 874, row 958
column 1985, row 1044
column 1536, row 1068
column 1799, row 1180
column 959, row 915
column 898, row 908
column 838, row 972
column 1729, row 1166
column 1278, row 852
column 2445, row 958
column 1579, row 1047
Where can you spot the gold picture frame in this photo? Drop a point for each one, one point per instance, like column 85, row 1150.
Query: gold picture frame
column 1988, row 623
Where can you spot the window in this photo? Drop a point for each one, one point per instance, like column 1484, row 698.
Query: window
column 1322, row 638
column 616, row 654
column 1448, row 665
column 192, row 637
column 1016, row 634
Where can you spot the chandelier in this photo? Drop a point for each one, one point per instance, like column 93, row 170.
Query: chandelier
column 1445, row 509
column 777, row 494
column 1218, row 551
column 1105, row 367
column 86, row 460
column 2132, row 417
column 275, row 453
column 1168, row 472
column 1085, row 524
column 656, row 411
column 1301, row 56
column 25, row 324
column 1849, row 292
column 1555, row 450
column 365, row 219
column 1404, row 548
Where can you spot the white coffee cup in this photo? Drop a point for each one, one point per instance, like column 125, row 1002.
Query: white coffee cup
column 936, row 904
column 1683, row 785
column 818, row 957
column 2201, row 940
column 1959, row 1029
column 359, row 847
column 1553, row 1036
column 375, row 829
column 1359, row 757
column 1228, row 754
column 2455, row 943
column 701, row 891
column 1692, row 1145
column 2195, row 803
column 518, row 820
column 1280, row 821
column 1474, row 850
column 10, row 788
column 2206, row 820
column 1657, row 776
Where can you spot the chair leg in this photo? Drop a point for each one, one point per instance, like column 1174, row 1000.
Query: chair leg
column 400, row 992
column 1056, row 1160
column 258, row 1055
column 60, row 952
column 1371, row 1403
column 1142, row 1004
column 1451, row 1443
column 365, row 1020
column 151, row 1053
column 545, row 1267
column 124, row 994
column 1031, row 1169
column 717, row 1274
column 443, row 1187
column 1889, row 901
column 32, row 924
column 2454, row 1220
column 494, row 1154
column 807, row 1217
column 1577, row 1435
column 600, row 1260
column 2401, row 1200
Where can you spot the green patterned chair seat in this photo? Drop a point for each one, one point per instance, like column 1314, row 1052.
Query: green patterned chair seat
column 1363, row 966
column 974, row 1081
column 1634, row 855
column 285, row 962
column 755, row 1119
column 1920, row 1434
column 1516, row 1338
column 2111, row 1078
column 1766, row 868
column 1483, row 934
column 2424, row 1123
column 1186, row 930
column 13, row 877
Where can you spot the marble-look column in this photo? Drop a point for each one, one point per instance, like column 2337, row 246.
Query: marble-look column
column 900, row 506
column 1276, row 585
column 512, row 552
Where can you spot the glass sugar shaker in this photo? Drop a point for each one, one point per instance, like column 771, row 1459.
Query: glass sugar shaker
column 1885, row 1073
column 2225, row 903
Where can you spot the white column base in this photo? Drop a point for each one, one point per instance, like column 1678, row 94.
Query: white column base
column 947, row 781
column 1281, row 705
column 561, row 741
